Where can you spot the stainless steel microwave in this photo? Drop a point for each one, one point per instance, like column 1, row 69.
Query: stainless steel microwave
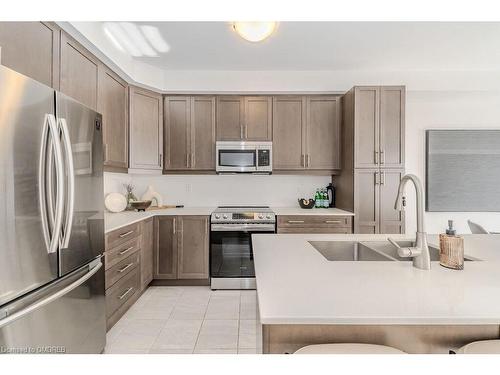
column 244, row 157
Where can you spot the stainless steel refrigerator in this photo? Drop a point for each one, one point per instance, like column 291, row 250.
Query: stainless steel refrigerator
column 51, row 221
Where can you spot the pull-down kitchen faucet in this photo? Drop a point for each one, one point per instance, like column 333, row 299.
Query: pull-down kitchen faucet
column 420, row 252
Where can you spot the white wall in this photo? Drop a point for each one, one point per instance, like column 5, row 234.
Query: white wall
column 214, row 190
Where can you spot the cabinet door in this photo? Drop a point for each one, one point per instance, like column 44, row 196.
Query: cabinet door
column 113, row 105
column 258, row 118
column 32, row 49
column 366, row 201
column 366, row 127
column 177, row 132
column 391, row 220
column 146, row 129
column 79, row 72
column 147, row 245
column 323, row 132
column 289, row 117
column 165, row 257
column 392, row 126
column 230, row 113
column 193, row 248
column 202, row 133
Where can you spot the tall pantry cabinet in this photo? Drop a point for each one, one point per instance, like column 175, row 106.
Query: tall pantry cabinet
column 373, row 157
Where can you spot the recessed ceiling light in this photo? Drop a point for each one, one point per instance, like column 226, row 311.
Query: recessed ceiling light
column 254, row 31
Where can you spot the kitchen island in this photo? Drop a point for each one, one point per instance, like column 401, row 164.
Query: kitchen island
column 306, row 299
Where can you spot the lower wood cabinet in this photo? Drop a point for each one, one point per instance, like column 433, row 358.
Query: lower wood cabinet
column 314, row 224
column 181, row 247
column 147, row 245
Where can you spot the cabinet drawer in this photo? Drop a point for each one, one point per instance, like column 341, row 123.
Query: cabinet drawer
column 121, row 269
column 122, row 291
column 314, row 221
column 118, row 253
column 310, row 230
column 122, row 235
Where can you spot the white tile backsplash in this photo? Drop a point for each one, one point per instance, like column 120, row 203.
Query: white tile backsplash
column 215, row 190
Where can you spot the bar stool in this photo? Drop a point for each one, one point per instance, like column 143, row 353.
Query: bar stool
column 481, row 347
column 348, row 349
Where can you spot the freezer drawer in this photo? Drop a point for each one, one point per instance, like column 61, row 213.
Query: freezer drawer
column 74, row 322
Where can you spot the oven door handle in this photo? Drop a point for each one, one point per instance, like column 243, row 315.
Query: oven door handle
column 242, row 228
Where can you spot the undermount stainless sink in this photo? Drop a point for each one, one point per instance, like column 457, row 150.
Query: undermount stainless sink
column 370, row 251
column 389, row 249
column 347, row 251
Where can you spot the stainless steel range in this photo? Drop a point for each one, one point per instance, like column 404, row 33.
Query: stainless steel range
column 231, row 255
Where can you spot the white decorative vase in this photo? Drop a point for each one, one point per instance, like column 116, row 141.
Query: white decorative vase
column 151, row 195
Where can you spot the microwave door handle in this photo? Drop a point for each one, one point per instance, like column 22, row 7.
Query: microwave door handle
column 70, row 174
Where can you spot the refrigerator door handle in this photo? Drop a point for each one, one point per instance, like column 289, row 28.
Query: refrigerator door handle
column 70, row 174
column 93, row 268
column 51, row 147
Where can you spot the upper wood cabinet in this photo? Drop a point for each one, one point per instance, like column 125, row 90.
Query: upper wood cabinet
column 189, row 133
column 113, row 105
column 146, row 129
column 79, row 72
column 379, row 122
column 32, row 49
column 323, row 132
column 306, row 133
column 244, row 118
column 289, row 119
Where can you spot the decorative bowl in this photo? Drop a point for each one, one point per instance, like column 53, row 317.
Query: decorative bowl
column 306, row 203
column 115, row 202
column 140, row 205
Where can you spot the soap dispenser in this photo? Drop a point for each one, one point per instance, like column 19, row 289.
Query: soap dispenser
column 451, row 249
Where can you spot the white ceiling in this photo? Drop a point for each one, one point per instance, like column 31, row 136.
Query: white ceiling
column 322, row 46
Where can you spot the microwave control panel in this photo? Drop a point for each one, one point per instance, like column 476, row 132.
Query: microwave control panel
column 264, row 159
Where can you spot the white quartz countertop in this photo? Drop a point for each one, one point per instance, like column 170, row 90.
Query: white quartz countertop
column 113, row 221
column 297, row 285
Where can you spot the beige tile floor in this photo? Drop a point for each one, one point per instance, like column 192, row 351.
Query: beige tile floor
column 181, row 320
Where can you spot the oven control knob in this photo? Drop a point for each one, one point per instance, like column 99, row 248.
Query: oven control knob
column 261, row 216
column 217, row 216
column 224, row 216
column 269, row 216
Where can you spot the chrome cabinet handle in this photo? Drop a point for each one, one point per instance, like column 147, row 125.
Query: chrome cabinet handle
column 382, row 156
column 302, row 160
column 126, row 234
column 125, row 293
column 161, row 160
column 123, row 269
column 382, row 178
column 295, row 221
column 375, row 157
column 333, row 221
column 192, row 160
column 307, row 160
column 70, row 172
column 376, row 178
column 173, row 226
column 126, row 250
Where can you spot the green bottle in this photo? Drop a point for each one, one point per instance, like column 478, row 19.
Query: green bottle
column 317, row 199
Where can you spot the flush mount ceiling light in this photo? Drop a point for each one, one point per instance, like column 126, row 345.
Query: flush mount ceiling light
column 135, row 40
column 254, row 31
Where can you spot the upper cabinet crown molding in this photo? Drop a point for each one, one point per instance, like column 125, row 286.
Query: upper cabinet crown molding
column 32, row 49
column 146, row 129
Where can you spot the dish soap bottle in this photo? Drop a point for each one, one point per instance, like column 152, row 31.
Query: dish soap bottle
column 451, row 249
